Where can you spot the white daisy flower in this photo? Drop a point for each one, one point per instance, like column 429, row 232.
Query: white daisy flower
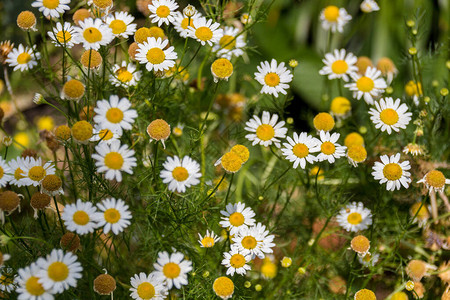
column 274, row 77
column 51, row 8
column 182, row 22
column 59, row 271
column 62, row 35
column 434, row 181
column 205, row 31
column 29, row 286
column 391, row 171
column 354, row 217
column 414, row 149
column 101, row 135
column 298, row 149
column 153, row 54
column 146, row 287
column 329, row 149
column 230, row 44
column 173, row 269
column 254, row 240
column 369, row 6
column 162, row 11
column 369, row 260
column 34, row 170
column 8, row 281
column 371, row 85
column 93, row 33
column 113, row 159
column 180, row 174
column 79, row 217
column 121, row 24
column 115, row 114
column 5, row 172
column 334, row 18
column 236, row 262
column 235, row 216
column 389, row 115
column 125, row 75
column 266, row 130
column 339, row 64
column 22, row 58
column 208, row 240
column 114, row 215
column 16, row 171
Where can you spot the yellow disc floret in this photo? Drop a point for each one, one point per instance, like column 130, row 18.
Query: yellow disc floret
column 102, row 4
column 331, row 13
column 435, row 179
column 392, row 171
column 360, row 244
column 357, row 153
column 327, row 148
column 340, row 106
column 118, row 26
column 339, row 67
column 155, row 56
column 272, row 79
column 242, row 151
column 158, row 130
column 141, row 35
column 180, row 174
column 237, row 261
column 236, row 219
column 265, row 132
column 114, row 160
column 104, row 284
column 227, row 42
column 26, row 20
column 416, row 269
column 363, row 63
column 39, row 200
column 389, row 116
column 62, row 132
column 73, row 89
column 365, row 294
column 231, row 162
column 91, row 59
column 222, row 68
column 171, row 270
column 146, row 290
column 112, row 215
column 365, row 84
column 353, row 139
column 203, row 33
column 223, row 287
column 82, row 131
column 323, row 121
column 58, row 271
column 354, row 218
column 80, row 15
column 33, row 287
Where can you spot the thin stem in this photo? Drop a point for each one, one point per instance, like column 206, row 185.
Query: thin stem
column 229, row 188
column 59, row 215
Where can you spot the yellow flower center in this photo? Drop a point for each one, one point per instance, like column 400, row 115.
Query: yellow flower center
column 323, row 121
column 435, row 178
column 272, row 79
column 231, row 162
column 331, row 13
column 187, row 22
column 58, row 271
column 114, row 160
column 158, row 129
column 51, row 183
column 112, row 215
column 327, row 148
column 339, row 67
column 146, row 290
column 365, row 294
column 74, row 89
column 208, row 242
column 80, row 217
column 352, row 139
column 124, row 75
column 236, row 219
column 2, row 172
column 23, row 58
column 223, row 286
column 265, row 132
column 91, row 59
column 237, row 261
column 114, row 115
column 82, row 130
column 26, row 19
column 241, row 151
column 171, row 270
column 50, row 4
column 163, row 11
column 300, row 150
column 360, row 244
column 385, row 65
column 367, row 257
column 37, row 173
column 249, row 242
column 269, row 269
column 340, row 106
column 33, row 287
column 204, row 33
column 389, row 116
column 227, row 42
column 155, row 56
column 222, row 68
column 92, row 35
column 365, row 84
column 105, row 134
column 354, row 218
column 416, row 269
column 392, row 171
column 118, row 26
column 180, row 174
column 357, row 153
column 63, row 36
column 18, row 174
column 6, row 280
column 103, row 4
column 141, row 34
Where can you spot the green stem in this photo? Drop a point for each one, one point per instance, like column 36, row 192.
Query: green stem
column 59, row 215
column 229, row 188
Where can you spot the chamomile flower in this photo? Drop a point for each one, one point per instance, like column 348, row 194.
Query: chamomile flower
column 146, row 287
column 205, row 31
column 392, row 172
column 79, row 217
column 389, row 115
column 236, row 262
column 16, row 171
column 34, row 170
column 254, row 240
column 182, row 22
column 208, row 240
column 274, row 77
column 369, row 260
column 414, row 149
column 113, row 159
column 121, row 24
column 354, row 217
column 434, row 181
column 125, row 75
column 62, row 35
column 51, row 8
column 29, row 286
column 180, row 174
column 265, row 131
column 339, row 64
column 356, row 154
column 329, row 149
column 340, row 108
column 369, row 6
column 153, row 54
column 230, row 44
column 5, row 172
column 104, row 135
column 235, row 216
column 334, row 18
column 369, row 86
column 173, row 269
column 114, row 215
column 115, row 114
column 93, row 33
column 162, row 11
column 22, row 58
column 58, row 271
column 298, row 149
column 7, row 280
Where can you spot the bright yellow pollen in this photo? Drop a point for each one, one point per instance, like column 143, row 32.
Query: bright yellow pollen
column 36, row 173
column 114, row 115
column 223, row 286
column 357, row 153
column 400, row 296
column 389, row 116
column 222, row 68
column 2, row 172
column 435, row 178
column 45, row 123
column 327, row 148
column 354, row 218
column 340, row 106
column 163, row 11
column 91, row 59
column 265, row 132
column 141, row 35
column 105, row 134
column 103, row 4
column 249, row 242
column 123, row 75
column 118, row 26
column 171, row 270
column 365, row 294
column 269, row 269
column 236, row 219
column 114, row 160
column 227, row 42
column 50, row 4
column 26, row 20
column 156, row 32
column 272, row 79
column 339, row 67
column 360, row 244
column 352, row 139
column 237, row 261
column 331, row 13
column 82, row 131
column 112, row 215
column 242, row 151
column 63, row 36
column 323, row 121
column 73, row 89
column 392, row 171
column 365, row 84
column 155, row 56
column 158, row 129
column 146, row 290
column 187, row 22
column 80, row 217
column 92, row 35
column 208, row 242
column 300, row 150
column 180, row 174
column 58, row 271
column 231, row 162
column 33, row 287
column 23, row 58
column 18, row 174
column 204, row 33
